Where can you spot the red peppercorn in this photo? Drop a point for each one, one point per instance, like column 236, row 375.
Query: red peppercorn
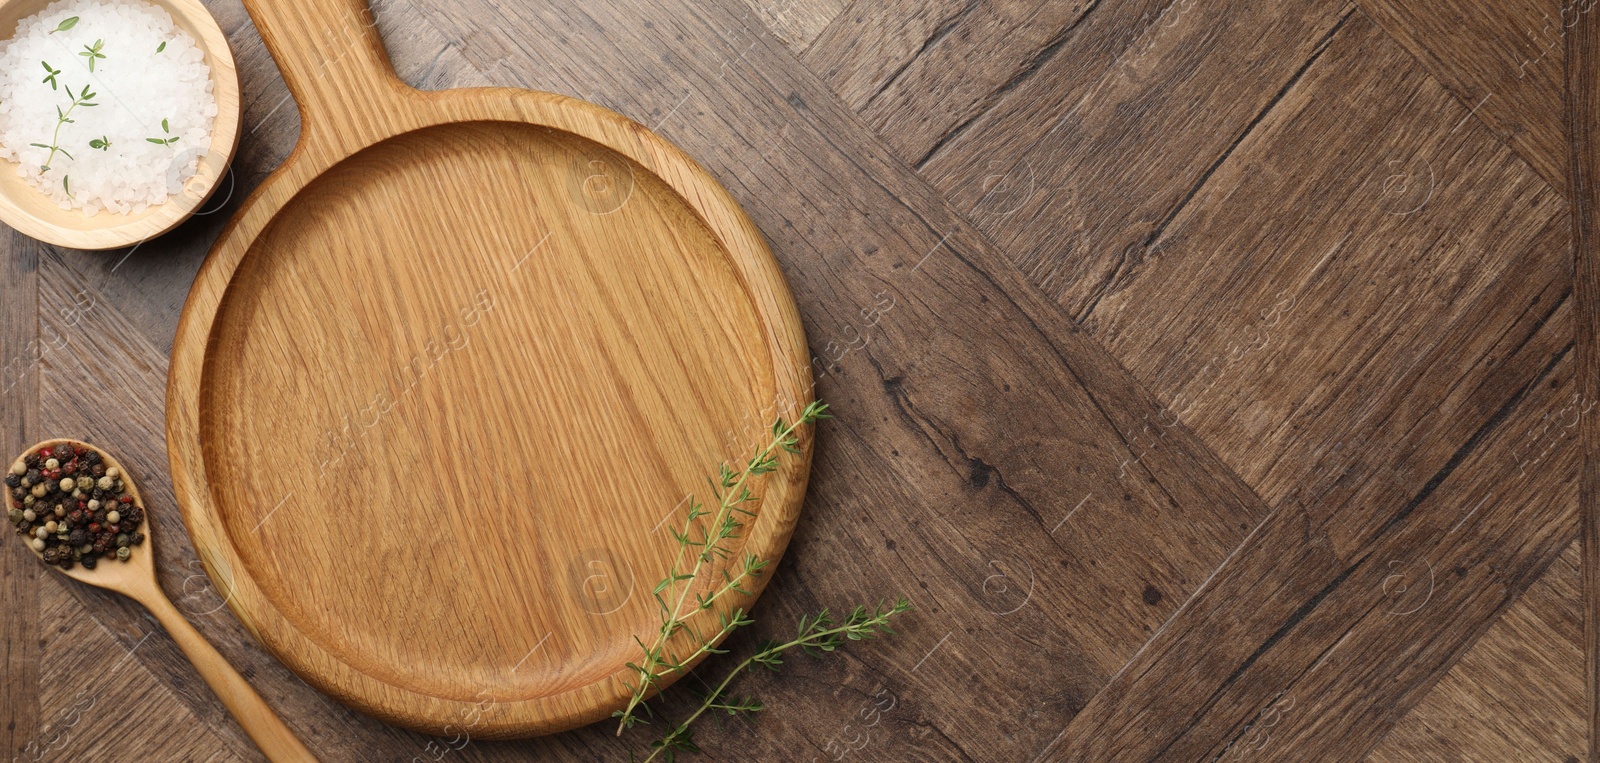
column 113, row 529
column 126, row 499
column 44, row 453
column 94, row 527
column 83, row 505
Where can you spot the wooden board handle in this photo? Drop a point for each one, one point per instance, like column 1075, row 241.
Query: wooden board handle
column 265, row 728
column 334, row 62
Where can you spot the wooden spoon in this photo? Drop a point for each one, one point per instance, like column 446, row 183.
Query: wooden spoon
column 136, row 579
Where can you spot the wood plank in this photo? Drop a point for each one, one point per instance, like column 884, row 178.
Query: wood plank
column 796, row 22
column 919, row 71
column 1583, row 133
column 1297, row 651
column 1502, row 60
column 21, row 346
column 1076, row 171
column 1517, row 695
column 103, row 705
column 1383, row 418
column 1278, row 347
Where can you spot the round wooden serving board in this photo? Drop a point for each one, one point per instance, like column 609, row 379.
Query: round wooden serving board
column 449, row 374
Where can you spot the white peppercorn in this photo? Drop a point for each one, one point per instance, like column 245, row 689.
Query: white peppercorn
column 19, row 468
column 37, row 544
column 113, row 472
column 51, row 463
column 41, row 533
column 105, row 482
column 67, row 484
column 30, row 514
column 94, row 504
column 113, row 516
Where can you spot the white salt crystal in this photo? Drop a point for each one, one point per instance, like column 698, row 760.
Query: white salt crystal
column 134, row 89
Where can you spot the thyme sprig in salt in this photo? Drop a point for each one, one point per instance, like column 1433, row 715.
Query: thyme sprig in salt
column 64, row 117
column 92, row 52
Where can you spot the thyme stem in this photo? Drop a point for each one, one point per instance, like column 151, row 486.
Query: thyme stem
column 732, row 492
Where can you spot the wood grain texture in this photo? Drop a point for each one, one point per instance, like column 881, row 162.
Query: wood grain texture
column 128, row 711
column 20, row 347
column 1583, row 133
column 1503, row 61
column 918, row 71
column 1269, row 341
column 1283, row 351
column 683, row 345
column 796, row 22
column 1307, row 650
column 1059, row 172
column 25, row 209
column 1518, row 694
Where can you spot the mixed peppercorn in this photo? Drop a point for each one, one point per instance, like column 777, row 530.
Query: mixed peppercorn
column 72, row 508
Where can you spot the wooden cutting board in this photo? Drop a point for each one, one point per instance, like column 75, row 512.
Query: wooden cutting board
column 450, row 373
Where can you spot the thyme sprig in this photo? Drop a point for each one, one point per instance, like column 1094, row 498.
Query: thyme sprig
column 702, row 543
column 817, row 635
column 164, row 141
column 92, row 52
column 64, row 117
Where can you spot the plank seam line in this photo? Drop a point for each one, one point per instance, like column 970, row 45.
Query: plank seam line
column 1472, row 442
column 939, row 34
column 1200, row 452
column 1205, row 178
column 1473, row 114
column 985, row 106
column 1427, row 490
column 1308, row 607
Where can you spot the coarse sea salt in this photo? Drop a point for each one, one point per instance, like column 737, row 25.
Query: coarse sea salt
column 151, row 85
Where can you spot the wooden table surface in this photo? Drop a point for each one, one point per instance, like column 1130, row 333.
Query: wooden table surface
column 1205, row 373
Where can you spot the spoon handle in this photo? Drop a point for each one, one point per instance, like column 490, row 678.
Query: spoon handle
column 264, row 726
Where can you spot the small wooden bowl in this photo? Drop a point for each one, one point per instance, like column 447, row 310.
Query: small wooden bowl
column 23, row 207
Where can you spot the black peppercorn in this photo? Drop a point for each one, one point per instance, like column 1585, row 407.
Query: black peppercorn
column 78, row 537
column 33, row 476
column 13, row 480
column 88, row 561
